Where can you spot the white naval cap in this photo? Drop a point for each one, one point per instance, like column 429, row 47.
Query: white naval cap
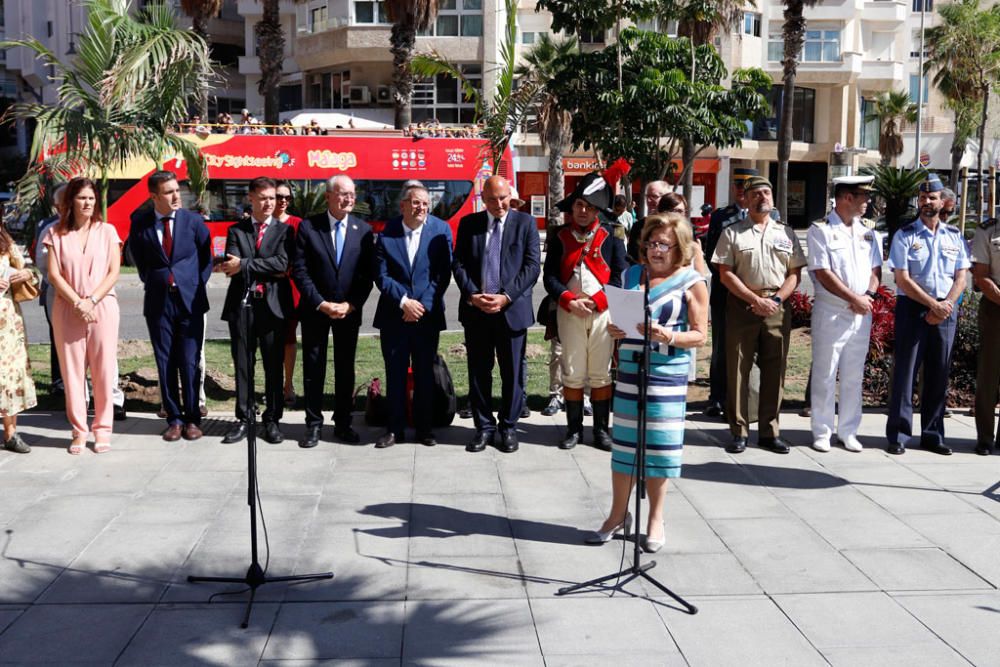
column 856, row 182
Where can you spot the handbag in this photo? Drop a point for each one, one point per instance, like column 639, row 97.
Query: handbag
column 27, row 290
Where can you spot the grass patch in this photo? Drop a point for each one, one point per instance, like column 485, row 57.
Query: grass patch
column 137, row 368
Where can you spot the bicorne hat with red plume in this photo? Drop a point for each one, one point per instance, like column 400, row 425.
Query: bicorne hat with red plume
column 597, row 188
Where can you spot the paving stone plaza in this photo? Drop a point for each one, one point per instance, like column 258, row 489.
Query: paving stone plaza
column 445, row 557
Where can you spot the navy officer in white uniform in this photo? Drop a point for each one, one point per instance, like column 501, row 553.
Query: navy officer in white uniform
column 845, row 259
column 930, row 263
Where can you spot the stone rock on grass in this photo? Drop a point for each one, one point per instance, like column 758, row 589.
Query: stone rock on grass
column 134, row 349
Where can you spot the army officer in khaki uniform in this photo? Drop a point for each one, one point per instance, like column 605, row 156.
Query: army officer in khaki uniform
column 759, row 262
column 986, row 273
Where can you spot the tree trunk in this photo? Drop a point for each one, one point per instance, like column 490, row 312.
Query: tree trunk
column 785, row 146
column 957, row 151
column 271, row 41
column 554, row 216
column 687, row 175
column 981, row 183
column 402, row 40
column 200, row 27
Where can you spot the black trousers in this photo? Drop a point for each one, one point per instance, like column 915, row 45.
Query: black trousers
column 485, row 342
column 717, row 368
column 268, row 333
column 315, row 342
column 415, row 345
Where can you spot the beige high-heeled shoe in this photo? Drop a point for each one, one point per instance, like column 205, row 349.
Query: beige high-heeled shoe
column 652, row 546
column 602, row 536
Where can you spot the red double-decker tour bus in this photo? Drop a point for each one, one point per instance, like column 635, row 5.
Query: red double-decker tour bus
column 453, row 169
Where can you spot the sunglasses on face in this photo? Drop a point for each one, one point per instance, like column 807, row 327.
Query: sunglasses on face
column 662, row 247
column 283, row 197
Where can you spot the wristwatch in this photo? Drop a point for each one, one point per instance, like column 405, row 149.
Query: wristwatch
column 777, row 299
column 92, row 299
column 871, row 295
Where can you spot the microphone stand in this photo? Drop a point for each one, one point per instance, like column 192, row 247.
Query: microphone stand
column 256, row 575
column 637, row 568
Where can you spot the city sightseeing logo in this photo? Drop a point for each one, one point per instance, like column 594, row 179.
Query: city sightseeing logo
column 327, row 159
column 276, row 161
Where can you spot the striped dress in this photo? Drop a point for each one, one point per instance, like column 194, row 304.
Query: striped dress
column 668, row 380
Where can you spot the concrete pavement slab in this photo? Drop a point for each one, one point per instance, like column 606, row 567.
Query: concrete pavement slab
column 463, row 632
column 9, row 614
column 697, row 574
column 457, row 578
column 967, row 622
column 72, row 634
column 331, row 630
column 914, row 569
column 201, row 634
column 742, row 631
column 585, row 626
column 784, row 555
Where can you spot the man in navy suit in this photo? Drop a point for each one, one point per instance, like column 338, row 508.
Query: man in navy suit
column 171, row 249
column 333, row 271
column 412, row 271
column 259, row 298
column 497, row 262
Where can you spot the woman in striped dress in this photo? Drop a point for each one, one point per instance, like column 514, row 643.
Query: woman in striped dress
column 678, row 300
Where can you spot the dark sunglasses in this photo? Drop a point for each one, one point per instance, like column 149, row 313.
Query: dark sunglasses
column 283, row 197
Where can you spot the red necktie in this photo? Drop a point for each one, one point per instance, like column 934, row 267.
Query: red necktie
column 261, row 228
column 168, row 246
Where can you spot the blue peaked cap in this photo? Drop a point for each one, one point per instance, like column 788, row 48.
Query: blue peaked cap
column 932, row 184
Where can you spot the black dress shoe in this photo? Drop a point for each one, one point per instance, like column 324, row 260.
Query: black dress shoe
column 896, row 448
column 236, row 433
column 936, row 447
column 120, row 414
column 508, row 442
column 311, row 438
column 571, row 440
column 479, row 442
column 737, row 446
column 465, row 413
column 525, row 411
column 387, row 440
column 427, row 440
column 984, row 448
column 713, row 410
column 273, row 434
column 346, row 434
column 776, row 445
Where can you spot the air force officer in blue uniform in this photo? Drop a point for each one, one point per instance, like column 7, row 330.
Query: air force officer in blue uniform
column 412, row 271
column 930, row 262
column 497, row 262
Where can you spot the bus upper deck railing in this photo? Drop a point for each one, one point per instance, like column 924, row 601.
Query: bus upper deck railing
column 420, row 130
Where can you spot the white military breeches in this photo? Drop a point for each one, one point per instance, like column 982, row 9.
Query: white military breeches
column 839, row 343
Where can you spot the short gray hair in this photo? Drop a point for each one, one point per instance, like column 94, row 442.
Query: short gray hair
column 411, row 185
column 339, row 179
column 949, row 194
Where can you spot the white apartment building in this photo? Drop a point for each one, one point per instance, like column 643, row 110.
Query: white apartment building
column 337, row 65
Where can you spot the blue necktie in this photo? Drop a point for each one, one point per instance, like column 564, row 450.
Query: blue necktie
column 338, row 241
column 491, row 277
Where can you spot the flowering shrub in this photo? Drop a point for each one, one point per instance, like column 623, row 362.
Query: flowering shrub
column 965, row 352
column 878, row 365
column 802, row 309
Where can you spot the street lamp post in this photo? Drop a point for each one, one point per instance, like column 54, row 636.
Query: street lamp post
column 920, row 86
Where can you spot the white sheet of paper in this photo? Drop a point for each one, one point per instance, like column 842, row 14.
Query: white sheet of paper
column 625, row 308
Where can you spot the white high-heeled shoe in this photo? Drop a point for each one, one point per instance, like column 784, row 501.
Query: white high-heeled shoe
column 652, row 546
column 600, row 537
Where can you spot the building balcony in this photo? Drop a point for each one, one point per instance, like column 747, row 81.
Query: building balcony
column 828, row 10
column 883, row 74
column 846, row 70
column 345, row 44
column 885, row 11
column 256, row 8
column 250, row 65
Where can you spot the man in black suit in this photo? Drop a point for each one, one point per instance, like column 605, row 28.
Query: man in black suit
column 496, row 264
column 172, row 251
column 258, row 255
column 333, row 271
column 412, row 270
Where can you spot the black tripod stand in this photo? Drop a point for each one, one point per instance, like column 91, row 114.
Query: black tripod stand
column 255, row 576
column 637, row 568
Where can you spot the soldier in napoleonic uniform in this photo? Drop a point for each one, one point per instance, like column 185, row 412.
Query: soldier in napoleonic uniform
column 986, row 273
column 845, row 260
column 929, row 262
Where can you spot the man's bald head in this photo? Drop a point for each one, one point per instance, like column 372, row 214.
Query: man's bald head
column 496, row 196
column 655, row 190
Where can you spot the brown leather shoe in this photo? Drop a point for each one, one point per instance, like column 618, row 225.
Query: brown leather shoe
column 173, row 433
column 191, row 432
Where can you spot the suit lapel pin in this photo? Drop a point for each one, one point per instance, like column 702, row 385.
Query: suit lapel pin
column 354, row 227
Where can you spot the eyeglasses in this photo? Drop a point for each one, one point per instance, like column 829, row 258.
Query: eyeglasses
column 283, row 197
column 662, row 247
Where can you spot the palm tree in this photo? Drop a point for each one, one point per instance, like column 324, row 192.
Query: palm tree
column 892, row 109
column 200, row 12
column 124, row 92
column 895, row 188
column 271, row 53
column 546, row 59
column 965, row 51
column 793, row 31
column 408, row 18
